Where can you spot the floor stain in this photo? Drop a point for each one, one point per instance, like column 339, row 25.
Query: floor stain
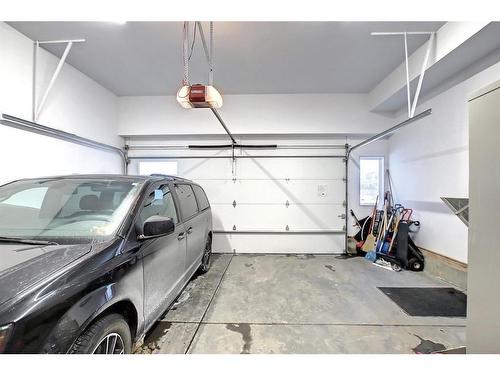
column 248, row 265
column 345, row 256
column 306, row 256
column 245, row 331
column 427, row 346
column 182, row 298
column 154, row 339
column 330, row 267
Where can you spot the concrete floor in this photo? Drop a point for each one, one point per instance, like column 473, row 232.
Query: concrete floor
column 299, row 304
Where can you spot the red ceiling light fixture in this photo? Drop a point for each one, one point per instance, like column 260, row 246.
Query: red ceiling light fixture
column 198, row 95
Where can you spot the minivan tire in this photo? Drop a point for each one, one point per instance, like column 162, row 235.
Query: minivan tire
column 206, row 260
column 111, row 326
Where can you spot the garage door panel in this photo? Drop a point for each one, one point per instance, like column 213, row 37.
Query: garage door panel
column 273, row 217
column 261, row 187
column 278, row 243
column 272, row 191
column 194, row 169
column 219, row 191
column 292, row 168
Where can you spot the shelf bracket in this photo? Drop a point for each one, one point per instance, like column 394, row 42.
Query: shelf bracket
column 37, row 107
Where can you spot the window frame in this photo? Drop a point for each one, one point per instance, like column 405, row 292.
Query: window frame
column 381, row 184
column 184, row 219
column 197, row 199
column 149, row 190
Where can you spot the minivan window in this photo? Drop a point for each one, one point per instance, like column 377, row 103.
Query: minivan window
column 160, row 203
column 201, row 197
column 70, row 210
column 187, row 200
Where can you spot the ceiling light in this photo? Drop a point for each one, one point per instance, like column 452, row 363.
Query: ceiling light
column 199, row 96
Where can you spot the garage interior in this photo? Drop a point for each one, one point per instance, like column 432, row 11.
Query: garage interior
column 313, row 115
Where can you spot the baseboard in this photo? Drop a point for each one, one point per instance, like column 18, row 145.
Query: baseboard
column 448, row 269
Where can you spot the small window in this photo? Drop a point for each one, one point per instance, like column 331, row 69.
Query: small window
column 201, row 197
column 371, row 179
column 147, row 168
column 159, row 203
column 187, row 201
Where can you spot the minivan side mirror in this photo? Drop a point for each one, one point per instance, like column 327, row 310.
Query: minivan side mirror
column 156, row 226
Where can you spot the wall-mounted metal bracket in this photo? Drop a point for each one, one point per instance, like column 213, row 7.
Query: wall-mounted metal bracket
column 37, row 107
column 412, row 104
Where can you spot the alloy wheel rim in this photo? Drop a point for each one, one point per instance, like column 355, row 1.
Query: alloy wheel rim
column 206, row 260
column 110, row 344
column 206, row 256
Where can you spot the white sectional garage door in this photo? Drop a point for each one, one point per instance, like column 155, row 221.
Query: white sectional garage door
column 273, row 205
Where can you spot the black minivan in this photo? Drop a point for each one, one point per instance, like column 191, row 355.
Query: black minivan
column 88, row 263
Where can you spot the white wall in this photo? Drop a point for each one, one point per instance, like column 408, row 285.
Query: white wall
column 429, row 160
column 252, row 114
column 76, row 104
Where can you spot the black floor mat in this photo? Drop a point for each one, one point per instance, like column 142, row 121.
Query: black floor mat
column 447, row 302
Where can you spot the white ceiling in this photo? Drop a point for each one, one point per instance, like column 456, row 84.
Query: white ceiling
column 145, row 58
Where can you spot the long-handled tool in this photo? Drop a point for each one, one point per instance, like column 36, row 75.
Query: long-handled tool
column 369, row 243
column 380, row 244
column 387, row 207
column 356, row 221
column 404, row 216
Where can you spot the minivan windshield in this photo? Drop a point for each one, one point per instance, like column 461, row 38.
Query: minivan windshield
column 65, row 210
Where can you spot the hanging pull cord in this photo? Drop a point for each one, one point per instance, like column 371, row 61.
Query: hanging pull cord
column 188, row 51
column 185, row 53
column 208, row 50
column 211, row 62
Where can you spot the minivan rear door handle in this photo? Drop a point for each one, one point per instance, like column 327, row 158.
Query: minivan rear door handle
column 190, row 230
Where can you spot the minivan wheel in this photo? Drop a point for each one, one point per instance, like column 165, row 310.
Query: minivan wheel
column 206, row 261
column 108, row 335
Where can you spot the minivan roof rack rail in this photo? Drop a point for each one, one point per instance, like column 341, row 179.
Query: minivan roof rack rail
column 168, row 176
